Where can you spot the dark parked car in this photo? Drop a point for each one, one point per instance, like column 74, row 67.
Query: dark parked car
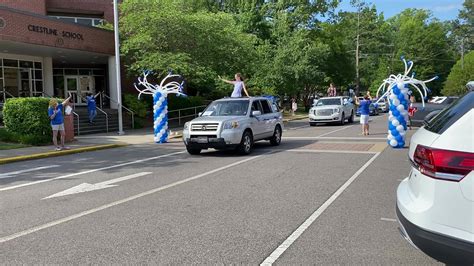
column 429, row 110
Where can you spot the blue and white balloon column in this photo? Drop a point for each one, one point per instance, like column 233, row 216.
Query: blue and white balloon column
column 160, row 102
column 396, row 89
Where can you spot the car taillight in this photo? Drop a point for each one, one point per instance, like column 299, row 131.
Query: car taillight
column 443, row 164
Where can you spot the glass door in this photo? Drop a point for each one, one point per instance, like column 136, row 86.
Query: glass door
column 25, row 86
column 71, row 86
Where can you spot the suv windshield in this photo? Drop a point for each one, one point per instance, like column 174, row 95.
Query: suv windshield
column 448, row 116
column 227, row 108
column 329, row 101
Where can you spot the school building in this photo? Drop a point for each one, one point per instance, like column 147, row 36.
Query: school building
column 53, row 47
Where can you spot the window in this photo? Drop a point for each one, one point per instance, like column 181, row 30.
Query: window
column 227, row 108
column 266, row 107
column 442, row 121
column 26, row 64
column 10, row 63
column 256, row 107
column 86, row 21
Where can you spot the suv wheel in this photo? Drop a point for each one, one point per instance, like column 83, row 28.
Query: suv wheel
column 193, row 151
column 351, row 119
column 343, row 119
column 245, row 146
column 276, row 138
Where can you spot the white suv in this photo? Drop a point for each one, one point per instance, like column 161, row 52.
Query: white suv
column 234, row 123
column 332, row 109
column 435, row 203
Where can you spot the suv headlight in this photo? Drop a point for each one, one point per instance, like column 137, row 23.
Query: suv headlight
column 231, row 124
column 336, row 110
column 186, row 126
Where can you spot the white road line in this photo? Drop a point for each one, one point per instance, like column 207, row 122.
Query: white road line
column 332, row 151
column 388, row 219
column 294, row 128
column 115, row 203
column 334, row 131
column 10, row 174
column 306, row 224
column 335, row 138
column 90, row 171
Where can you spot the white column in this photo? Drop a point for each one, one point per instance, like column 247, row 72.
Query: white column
column 112, row 83
column 48, row 84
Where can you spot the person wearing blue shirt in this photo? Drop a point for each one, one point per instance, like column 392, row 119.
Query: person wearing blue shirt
column 55, row 113
column 91, row 107
column 364, row 113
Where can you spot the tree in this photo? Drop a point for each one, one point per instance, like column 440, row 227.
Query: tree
column 459, row 76
column 160, row 35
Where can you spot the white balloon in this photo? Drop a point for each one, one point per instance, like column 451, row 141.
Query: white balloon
column 396, row 102
column 390, row 113
column 395, row 123
column 400, row 108
column 404, row 91
column 403, row 133
column 400, row 85
column 400, row 128
column 393, row 143
column 391, row 117
column 393, row 96
column 390, row 137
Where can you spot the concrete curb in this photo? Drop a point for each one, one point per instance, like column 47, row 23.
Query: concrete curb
column 60, row 153
column 296, row 118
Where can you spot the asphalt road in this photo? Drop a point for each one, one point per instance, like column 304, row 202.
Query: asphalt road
column 326, row 195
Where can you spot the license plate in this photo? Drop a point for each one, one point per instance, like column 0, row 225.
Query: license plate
column 202, row 140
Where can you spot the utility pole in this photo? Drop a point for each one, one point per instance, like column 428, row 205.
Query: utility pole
column 357, row 50
column 117, row 68
column 462, row 53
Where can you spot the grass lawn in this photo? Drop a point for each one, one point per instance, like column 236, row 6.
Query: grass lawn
column 9, row 146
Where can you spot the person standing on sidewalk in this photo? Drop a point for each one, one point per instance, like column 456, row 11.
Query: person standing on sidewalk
column 91, row 107
column 239, row 85
column 55, row 113
column 364, row 112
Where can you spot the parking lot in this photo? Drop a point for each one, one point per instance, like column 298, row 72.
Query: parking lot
column 326, row 195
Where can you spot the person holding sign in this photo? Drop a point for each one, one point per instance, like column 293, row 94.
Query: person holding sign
column 55, row 113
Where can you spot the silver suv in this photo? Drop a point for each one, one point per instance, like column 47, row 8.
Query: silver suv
column 234, row 123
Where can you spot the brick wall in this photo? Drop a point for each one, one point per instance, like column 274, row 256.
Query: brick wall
column 34, row 6
column 82, row 6
column 24, row 28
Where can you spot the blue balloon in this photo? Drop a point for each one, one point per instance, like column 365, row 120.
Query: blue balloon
column 401, row 144
column 399, row 138
column 396, row 90
column 395, row 133
column 402, row 120
column 401, row 97
column 395, row 113
column 390, row 126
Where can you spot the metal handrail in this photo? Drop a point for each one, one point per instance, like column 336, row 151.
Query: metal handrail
column 121, row 105
column 106, row 118
column 5, row 93
column 76, row 114
column 102, row 111
column 185, row 116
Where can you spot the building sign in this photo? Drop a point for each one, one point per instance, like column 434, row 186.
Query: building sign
column 55, row 32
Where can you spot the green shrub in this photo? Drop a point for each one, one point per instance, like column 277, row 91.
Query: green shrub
column 175, row 103
column 139, row 107
column 27, row 116
column 28, row 139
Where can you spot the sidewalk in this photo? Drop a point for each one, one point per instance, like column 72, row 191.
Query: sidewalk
column 95, row 142
column 84, row 143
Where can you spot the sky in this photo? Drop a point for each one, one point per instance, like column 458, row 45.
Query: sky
column 442, row 9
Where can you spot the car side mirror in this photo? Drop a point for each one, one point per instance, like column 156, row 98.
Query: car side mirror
column 200, row 113
column 256, row 113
